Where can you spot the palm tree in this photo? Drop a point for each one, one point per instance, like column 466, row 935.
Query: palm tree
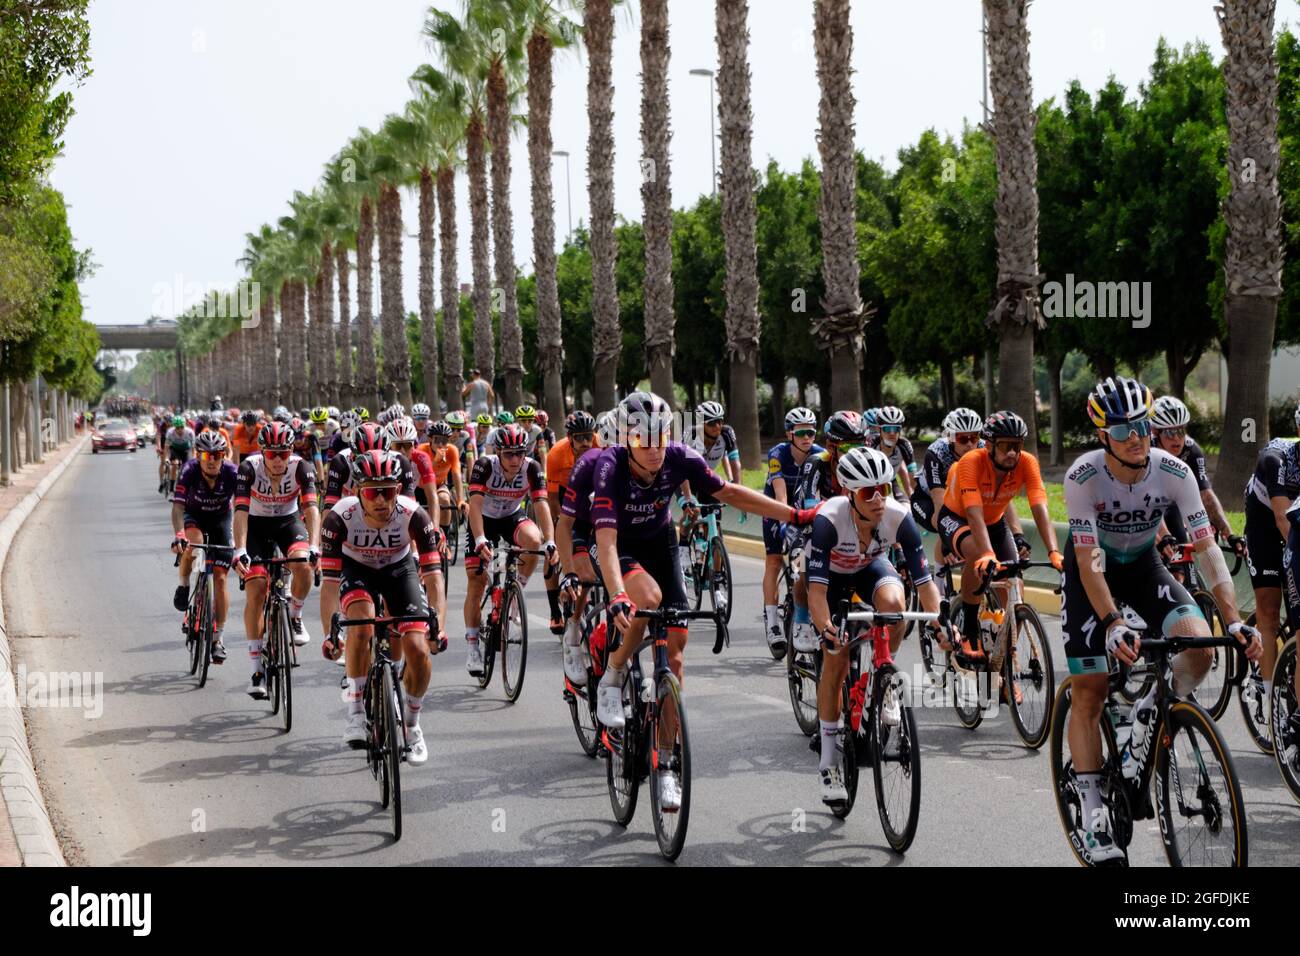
column 447, row 138
column 390, row 171
column 839, row 328
column 465, row 67
column 657, row 197
column 607, row 334
column 1015, row 311
column 738, row 215
column 255, row 260
column 547, row 30
column 359, row 157
column 343, row 194
column 1252, row 213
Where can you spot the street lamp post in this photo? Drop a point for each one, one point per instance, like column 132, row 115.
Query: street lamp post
column 713, row 147
column 568, row 192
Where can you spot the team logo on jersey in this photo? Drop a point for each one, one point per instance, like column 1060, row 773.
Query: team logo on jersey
column 1082, row 473
column 1174, row 467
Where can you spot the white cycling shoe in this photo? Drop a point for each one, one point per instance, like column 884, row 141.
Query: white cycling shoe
column 805, row 641
column 670, row 792
column 609, row 703
column 1097, row 846
column 474, row 662
column 419, row 752
column 354, row 734
column 834, row 793
column 776, row 639
column 575, row 663
column 298, row 631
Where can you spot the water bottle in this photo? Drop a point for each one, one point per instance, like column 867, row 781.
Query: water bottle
column 647, row 690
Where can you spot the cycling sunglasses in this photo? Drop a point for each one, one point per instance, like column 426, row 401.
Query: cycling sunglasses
column 891, row 429
column 375, row 492
column 966, row 438
column 1009, row 445
column 1173, row 432
column 636, row 440
column 805, row 433
column 511, row 454
column 212, row 456
column 584, row 438
column 872, row 492
column 1122, row 432
column 282, row 454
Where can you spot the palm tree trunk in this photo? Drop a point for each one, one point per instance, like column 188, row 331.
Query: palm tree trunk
column 346, row 393
column 1015, row 312
column 734, row 119
column 1253, row 214
column 397, row 360
column 503, row 234
column 657, row 198
column 313, row 340
column 607, row 334
column 367, row 374
column 550, row 346
column 839, row 328
column 453, row 364
column 329, row 394
column 480, row 297
column 428, row 318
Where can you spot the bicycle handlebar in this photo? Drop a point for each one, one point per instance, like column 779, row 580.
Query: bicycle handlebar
column 674, row 614
column 339, row 623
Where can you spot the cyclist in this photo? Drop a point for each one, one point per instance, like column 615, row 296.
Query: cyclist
column 849, row 553
column 420, row 416
column 497, row 488
column 1169, row 421
column 244, row 438
column 275, row 506
column 444, row 460
column 889, row 439
column 580, row 438
column 365, row 542
column 869, row 420
column 548, row 433
column 1115, row 496
column 482, row 431
column 784, row 464
column 399, row 435
column 282, row 415
column 972, row 521
column 338, row 477
column 633, row 485
column 572, row 486
column 306, row 446
column 349, row 422
column 526, row 418
column 961, row 433
column 201, row 505
column 180, row 444
column 1272, row 488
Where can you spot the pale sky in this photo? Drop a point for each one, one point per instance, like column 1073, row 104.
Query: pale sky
column 202, row 117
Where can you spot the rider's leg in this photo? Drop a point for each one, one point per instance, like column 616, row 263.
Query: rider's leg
column 255, row 594
column 527, row 535
column 1268, row 610
column 1088, row 695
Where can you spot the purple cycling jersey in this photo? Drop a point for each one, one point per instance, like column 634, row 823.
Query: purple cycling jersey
column 620, row 501
column 577, row 493
column 197, row 497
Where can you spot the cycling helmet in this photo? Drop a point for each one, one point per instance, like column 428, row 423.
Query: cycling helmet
column 846, row 427
column 440, row 430
column 1119, row 401
column 525, row 413
column 276, row 436
column 400, row 430
column 420, row 410
column 348, row 421
column 375, row 467
column 369, row 437
column 889, row 415
column 178, row 422
column 362, row 412
column 510, row 438
column 1169, row 412
column 543, row 419
column 383, row 418
column 578, row 422
column 333, row 411
column 456, row 420
column 644, row 416
column 483, row 421
column 298, row 425
column 1004, row 425
column 869, row 416
column 215, row 405
column 282, row 415
column 864, row 468
column 710, row 412
column 249, row 418
column 963, row 420
column 211, row 441
column 319, row 415
column 800, row 418
column 505, row 418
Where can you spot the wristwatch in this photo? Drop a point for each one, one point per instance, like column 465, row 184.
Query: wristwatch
column 1108, row 620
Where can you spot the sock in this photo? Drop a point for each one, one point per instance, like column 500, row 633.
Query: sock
column 1094, row 812
column 216, row 633
column 801, row 615
column 353, row 695
column 769, row 616
column 471, row 635
column 970, row 622
column 572, row 633
column 412, row 710
column 255, row 655
column 553, row 596
column 295, row 606
column 1184, row 680
column 830, row 731
column 613, row 677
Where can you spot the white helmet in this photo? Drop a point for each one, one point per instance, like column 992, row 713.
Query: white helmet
column 963, row 421
column 1169, row 412
column 864, row 468
column 347, row 422
column 400, row 430
column 333, row 412
column 889, row 415
column 420, row 410
column 797, row 417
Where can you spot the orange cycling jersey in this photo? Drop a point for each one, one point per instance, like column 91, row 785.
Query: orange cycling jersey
column 559, row 464
column 444, row 460
column 974, row 482
column 245, row 439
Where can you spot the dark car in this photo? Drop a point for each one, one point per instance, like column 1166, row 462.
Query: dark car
column 114, row 433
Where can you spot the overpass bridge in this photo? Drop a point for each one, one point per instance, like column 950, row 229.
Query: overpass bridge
column 150, row 335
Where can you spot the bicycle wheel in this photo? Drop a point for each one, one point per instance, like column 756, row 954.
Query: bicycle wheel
column 966, row 696
column 582, row 708
column 1198, row 799
column 895, row 762
column 193, row 641
column 284, row 671
column 392, row 743
column 801, row 675
column 1029, row 675
column 1215, row 691
column 913, row 603
column 670, row 825
column 453, row 537
column 1069, row 805
column 487, row 638
column 203, row 646
column 847, row 743
column 622, row 776
column 514, row 641
column 271, row 660
column 1283, row 705
column 722, row 581
column 785, row 610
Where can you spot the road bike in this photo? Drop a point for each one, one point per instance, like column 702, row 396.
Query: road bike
column 593, row 629
column 198, row 620
column 708, row 570
column 279, row 655
column 504, row 617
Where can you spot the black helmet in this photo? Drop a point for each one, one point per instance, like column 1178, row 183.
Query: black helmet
column 646, row 415
column 1004, row 425
column 579, row 422
column 846, row 427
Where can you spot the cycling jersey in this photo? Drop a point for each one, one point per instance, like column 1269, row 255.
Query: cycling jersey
column 464, row 442
column 560, row 462
column 442, row 460
column 900, row 456
column 196, row 497
column 265, row 497
column 724, row 446
column 307, row 447
column 338, row 477
column 534, row 433
column 345, row 533
column 503, row 495
column 939, row 459
column 337, row 444
column 639, row 511
column 1122, row 518
column 180, row 439
column 835, row 549
column 1277, row 472
column 817, row 481
column 578, row 487
column 245, row 441
column 974, row 482
column 781, row 464
column 1194, row 458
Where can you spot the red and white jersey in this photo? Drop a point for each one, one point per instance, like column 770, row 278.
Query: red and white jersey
column 345, row 532
column 265, row 497
column 503, row 496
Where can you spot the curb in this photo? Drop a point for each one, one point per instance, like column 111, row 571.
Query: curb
column 37, row 844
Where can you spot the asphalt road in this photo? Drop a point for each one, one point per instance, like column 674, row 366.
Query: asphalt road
column 156, row 771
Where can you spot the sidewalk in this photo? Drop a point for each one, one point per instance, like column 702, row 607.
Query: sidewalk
column 23, row 484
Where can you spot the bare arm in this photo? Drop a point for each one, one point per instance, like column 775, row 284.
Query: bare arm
column 1214, row 509
column 745, row 499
